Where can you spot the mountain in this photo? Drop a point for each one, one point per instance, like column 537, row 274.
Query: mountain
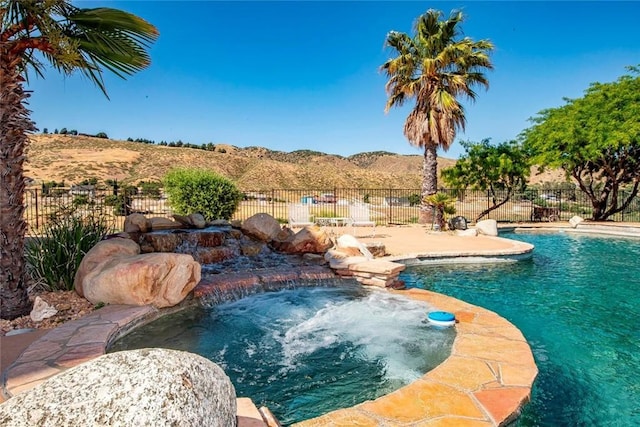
column 73, row 159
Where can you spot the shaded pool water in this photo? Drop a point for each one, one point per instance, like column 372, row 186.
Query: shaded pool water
column 577, row 301
column 307, row 351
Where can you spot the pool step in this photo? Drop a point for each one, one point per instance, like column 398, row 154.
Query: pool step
column 248, row 415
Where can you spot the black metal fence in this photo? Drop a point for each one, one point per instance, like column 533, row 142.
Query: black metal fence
column 387, row 206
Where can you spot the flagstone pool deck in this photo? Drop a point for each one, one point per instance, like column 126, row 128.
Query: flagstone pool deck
column 485, row 382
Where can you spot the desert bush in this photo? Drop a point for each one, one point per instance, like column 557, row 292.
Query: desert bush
column 414, row 199
column 54, row 255
column 151, row 188
column 201, row 191
column 81, row 199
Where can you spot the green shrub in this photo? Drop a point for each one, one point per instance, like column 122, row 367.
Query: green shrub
column 201, row 191
column 414, row 199
column 151, row 188
column 81, row 199
column 54, row 255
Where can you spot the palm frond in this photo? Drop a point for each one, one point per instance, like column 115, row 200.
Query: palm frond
column 436, row 66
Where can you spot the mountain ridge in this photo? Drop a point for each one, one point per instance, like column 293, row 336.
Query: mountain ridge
column 74, row 158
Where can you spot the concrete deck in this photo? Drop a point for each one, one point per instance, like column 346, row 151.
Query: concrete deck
column 484, row 382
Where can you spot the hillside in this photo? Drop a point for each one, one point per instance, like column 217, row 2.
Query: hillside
column 75, row 158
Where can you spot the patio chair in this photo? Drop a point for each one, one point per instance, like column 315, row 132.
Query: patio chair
column 360, row 216
column 299, row 215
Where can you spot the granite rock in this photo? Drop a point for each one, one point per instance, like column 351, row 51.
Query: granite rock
column 147, row 387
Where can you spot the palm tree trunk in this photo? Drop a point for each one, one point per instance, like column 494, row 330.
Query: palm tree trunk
column 14, row 126
column 429, row 183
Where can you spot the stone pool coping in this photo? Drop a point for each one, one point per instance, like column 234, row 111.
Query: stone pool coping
column 485, row 381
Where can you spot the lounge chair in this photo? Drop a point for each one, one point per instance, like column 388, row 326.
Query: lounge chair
column 360, row 216
column 299, row 215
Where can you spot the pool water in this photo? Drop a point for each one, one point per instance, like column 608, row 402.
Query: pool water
column 308, row 351
column 577, row 302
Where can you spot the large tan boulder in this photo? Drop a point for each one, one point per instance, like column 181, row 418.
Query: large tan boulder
column 147, row 387
column 136, row 222
column 262, row 227
column 195, row 220
column 308, row 240
column 575, row 221
column 102, row 252
column 162, row 223
column 348, row 241
column 159, row 279
column 488, row 227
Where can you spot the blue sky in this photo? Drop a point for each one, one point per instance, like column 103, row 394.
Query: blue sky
column 293, row 75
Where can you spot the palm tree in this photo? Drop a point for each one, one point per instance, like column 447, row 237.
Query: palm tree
column 436, row 67
column 70, row 39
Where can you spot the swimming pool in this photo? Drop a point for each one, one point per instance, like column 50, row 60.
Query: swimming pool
column 307, row 351
column 577, row 301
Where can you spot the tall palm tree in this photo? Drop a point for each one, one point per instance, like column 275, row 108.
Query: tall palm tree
column 436, row 67
column 32, row 33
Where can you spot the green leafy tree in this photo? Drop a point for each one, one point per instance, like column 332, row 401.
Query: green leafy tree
column 69, row 39
column 596, row 141
column 437, row 66
column 201, row 191
column 499, row 169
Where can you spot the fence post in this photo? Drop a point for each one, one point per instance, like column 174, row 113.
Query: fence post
column 273, row 203
column 559, row 204
column 35, row 192
column 390, row 198
column 488, row 205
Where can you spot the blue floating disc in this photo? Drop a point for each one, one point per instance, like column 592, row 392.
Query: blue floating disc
column 442, row 316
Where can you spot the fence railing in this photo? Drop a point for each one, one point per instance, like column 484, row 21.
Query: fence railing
column 387, row 206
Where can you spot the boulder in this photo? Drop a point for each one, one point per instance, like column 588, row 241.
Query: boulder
column 252, row 248
column 213, row 255
column 162, row 223
column 100, row 253
column 376, row 249
column 41, row 310
column 162, row 241
column 147, row 387
column 575, row 221
column 262, row 227
column 159, row 279
column 468, row 232
column 349, row 241
column 136, row 222
column 195, row 220
column 488, row 227
column 458, row 223
column 205, row 238
column 307, row 240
